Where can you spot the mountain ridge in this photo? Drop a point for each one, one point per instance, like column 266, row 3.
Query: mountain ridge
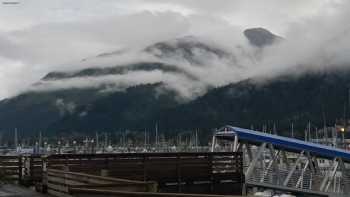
column 247, row 102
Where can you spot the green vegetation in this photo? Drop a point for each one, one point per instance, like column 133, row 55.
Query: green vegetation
column 317, row 97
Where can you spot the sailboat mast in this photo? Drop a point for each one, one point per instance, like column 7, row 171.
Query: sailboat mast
column 292, row 129
column 156, row 134
column 16, row 139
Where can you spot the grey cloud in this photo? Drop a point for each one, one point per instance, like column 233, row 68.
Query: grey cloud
column 316, row 36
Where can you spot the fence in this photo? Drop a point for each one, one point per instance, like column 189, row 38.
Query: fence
column 25, row 169
column 216, row 173
column 209, row 173
column 32, row 169
column 61, row 183
column 10, row 168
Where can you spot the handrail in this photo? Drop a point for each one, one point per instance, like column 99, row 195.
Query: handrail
column 96, row 177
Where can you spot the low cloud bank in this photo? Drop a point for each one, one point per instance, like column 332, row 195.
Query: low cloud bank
column 311, row 42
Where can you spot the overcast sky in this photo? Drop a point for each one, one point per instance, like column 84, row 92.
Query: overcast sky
column 38, row 36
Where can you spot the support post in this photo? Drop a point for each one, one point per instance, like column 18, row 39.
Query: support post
column 213, row 143
column 329, row 177
column 285, row 183
column 235, row 144
column 20, row 174
column 274, row 156
column 249, row 152
column 311, row 162
column 344, row 176
column 301, row 178
column 285, row 159
column 239, row 147
column 255, row 160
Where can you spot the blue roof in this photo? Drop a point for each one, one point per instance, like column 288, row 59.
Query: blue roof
column 279, row 142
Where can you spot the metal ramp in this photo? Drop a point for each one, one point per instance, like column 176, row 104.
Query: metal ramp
column 288, row 164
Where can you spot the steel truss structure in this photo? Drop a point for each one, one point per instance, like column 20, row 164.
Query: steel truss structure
column 287, row 164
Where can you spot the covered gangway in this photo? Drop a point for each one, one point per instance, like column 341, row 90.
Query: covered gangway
column 288, row 164
column 280, row 142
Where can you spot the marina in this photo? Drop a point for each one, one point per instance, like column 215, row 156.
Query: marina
column 175, row 98
column 237, row 162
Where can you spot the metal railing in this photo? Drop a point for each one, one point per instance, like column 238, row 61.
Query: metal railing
column 300, row 179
